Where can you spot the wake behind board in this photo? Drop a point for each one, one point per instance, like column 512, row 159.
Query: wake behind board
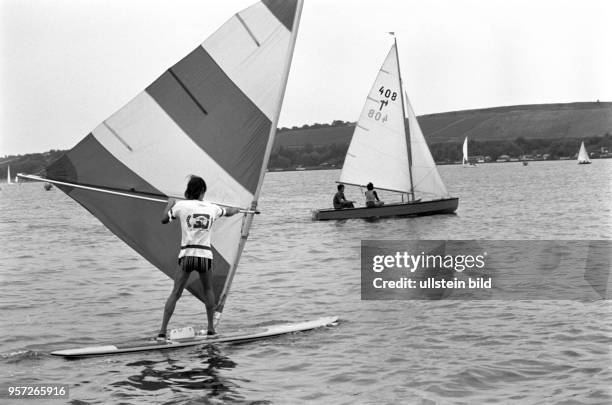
column 243, row 336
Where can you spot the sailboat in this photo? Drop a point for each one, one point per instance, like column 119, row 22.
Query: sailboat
column 8, row 175
column 583, row 156
column 388, row 149
column 465, row 161
column 214, row 114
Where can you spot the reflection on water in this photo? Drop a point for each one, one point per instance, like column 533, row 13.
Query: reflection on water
column 203, row 374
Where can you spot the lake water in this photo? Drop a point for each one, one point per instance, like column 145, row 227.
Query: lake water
column 66, row 281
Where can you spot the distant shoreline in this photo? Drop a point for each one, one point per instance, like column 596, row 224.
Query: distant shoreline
column 307, row 169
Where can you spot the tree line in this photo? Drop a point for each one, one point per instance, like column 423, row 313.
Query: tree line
column 31, row 163
column 332, row 155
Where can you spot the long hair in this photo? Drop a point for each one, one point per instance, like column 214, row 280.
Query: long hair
column 195, row 188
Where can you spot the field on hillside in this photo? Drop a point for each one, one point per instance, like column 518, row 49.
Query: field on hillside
column 575, row 120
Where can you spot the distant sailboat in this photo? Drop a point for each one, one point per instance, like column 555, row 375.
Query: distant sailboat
column 8, row 175
column 465, row 161
column 583, row 156
column 390, row 154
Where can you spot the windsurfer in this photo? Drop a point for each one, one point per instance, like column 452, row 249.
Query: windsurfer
column 196, row 218
column 371, row 196
column 340, row 201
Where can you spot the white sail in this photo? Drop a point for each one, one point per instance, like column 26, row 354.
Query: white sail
column 378, row 152
column 465, row 159
column 426, row 180
column 583, row 156
column 8, row 175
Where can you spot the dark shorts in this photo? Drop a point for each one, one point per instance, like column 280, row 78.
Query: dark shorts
column 199, row 264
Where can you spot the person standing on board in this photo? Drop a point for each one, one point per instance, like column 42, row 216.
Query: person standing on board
column 372, row 199
column 339, row 200
column 196, row 217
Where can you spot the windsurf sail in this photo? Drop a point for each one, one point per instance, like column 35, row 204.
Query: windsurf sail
column 583, row 156
column 8, row 175
column 213, row 114
column 465, row 159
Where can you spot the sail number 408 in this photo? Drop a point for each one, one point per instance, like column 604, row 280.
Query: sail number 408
column 387, row 94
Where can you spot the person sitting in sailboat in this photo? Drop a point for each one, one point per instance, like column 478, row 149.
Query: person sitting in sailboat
column 371, row 196
column 340, row 201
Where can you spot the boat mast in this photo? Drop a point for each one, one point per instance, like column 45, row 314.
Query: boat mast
column 406, row 130
column 248, row 217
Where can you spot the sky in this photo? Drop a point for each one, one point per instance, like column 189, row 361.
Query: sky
column 66, row 65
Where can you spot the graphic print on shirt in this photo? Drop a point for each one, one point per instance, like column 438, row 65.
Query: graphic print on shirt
column 198, row 221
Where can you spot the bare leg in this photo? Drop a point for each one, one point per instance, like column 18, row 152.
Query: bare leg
column 209, row 295
column 180, row 281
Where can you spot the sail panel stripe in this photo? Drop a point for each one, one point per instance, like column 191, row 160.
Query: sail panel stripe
column 164, row 155
column 254, row 69
column 234, row 132
column 89, row 163
column 284, row 10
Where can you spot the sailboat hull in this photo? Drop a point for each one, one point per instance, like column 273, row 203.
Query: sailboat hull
column 442, row 206
column 584, row 163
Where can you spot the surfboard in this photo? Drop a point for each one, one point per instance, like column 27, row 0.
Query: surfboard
column 143, row 345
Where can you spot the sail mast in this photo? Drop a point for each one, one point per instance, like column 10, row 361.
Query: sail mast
column 406, row 130
column 248, row 217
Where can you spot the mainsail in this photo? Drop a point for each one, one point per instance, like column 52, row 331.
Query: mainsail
column 378, row 152
column 583, row 156
column 8, row 175
column 213, row 114
column 388, row 147
column 465, row 159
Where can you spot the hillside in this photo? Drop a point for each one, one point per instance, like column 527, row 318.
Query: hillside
column 31, row 163
column 541, row 121
column 553, row 129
